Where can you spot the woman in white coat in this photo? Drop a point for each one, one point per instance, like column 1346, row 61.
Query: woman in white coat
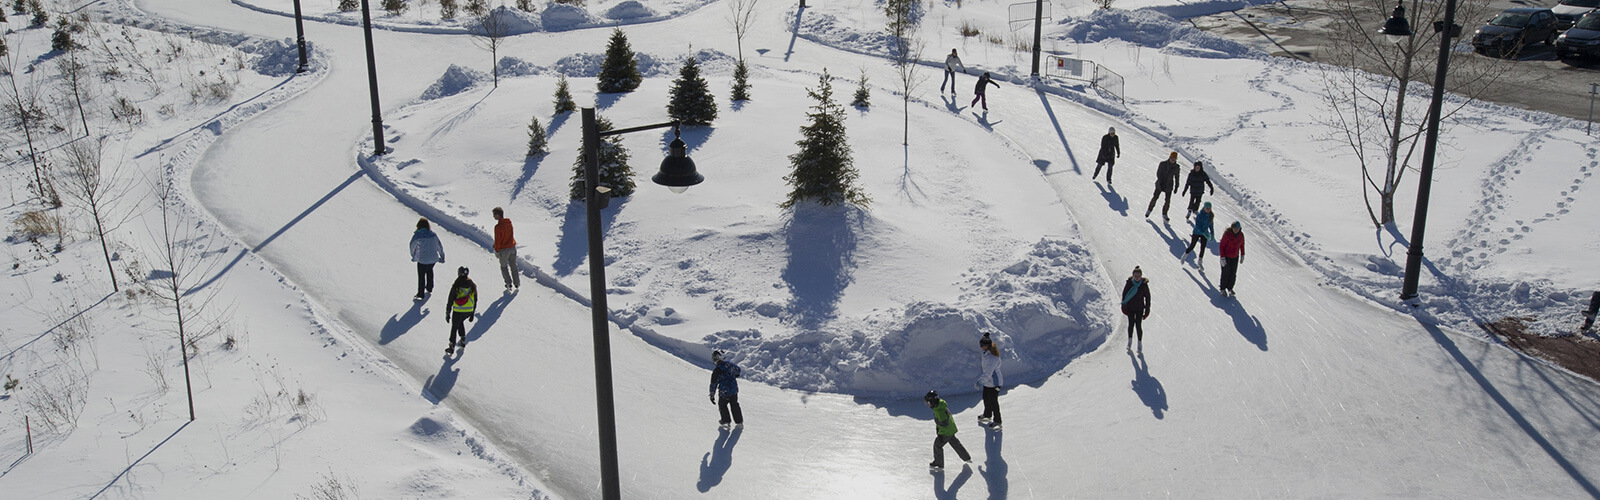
column 991, row 379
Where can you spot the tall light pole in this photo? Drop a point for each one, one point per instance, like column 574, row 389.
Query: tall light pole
column 677, row 173
column 1448, row 31
column 372, row 81
column 300, row 37
column 1038, row 33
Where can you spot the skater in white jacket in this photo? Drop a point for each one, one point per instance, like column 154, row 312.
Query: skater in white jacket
column 991, row 380
column 950, row 63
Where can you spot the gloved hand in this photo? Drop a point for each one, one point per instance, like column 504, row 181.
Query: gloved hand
column 712, row 397
column 1146, row 316
column 472, row 318
column 1241, row 258
column 447, row 317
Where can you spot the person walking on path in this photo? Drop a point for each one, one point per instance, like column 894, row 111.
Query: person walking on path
column 990, row 379
column 983, row 82
column 950, row 63
column 1166, row 183
column 1594, row 308
column 1201, row 235
column 1110, row 150
column 1232, row 250
column 1197, row 184
column 463, row 299
column 505, row 249
column 725, row 384
column 425, row 251
column 946, row 429
column 1136, row 305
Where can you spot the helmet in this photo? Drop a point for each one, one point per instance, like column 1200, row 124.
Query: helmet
column 716, row 356
column 932, row 398
column 461, row 271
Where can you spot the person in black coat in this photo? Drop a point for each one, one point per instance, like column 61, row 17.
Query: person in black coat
column 983, row 83
column 1136, row 305
column 1594, row 308
column 1197, row 184
column 1110, row 150
column 1166, row 183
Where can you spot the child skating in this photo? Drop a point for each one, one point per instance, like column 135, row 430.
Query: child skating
column 946, row 426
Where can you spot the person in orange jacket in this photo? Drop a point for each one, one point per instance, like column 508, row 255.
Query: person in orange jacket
column 505, row 249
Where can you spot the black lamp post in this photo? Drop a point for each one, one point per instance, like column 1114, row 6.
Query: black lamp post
column 372, row 81
column 677, row 173
column 300, row 37
column 1397, row 26
column 1038, row 32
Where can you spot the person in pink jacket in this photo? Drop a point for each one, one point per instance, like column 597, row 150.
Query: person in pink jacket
column 1232, row 250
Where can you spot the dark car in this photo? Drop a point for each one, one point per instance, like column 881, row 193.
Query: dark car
column 1514, row 29
column 1582, row 39
column 1568, row 11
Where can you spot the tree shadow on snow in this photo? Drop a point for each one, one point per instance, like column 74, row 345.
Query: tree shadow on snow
column 605, row 101
column 529, row 166
column 716, row 462
column 401, row 323
column 573, row 246
column 822, row 244
column 488, row 316
column 908, row 182
column 994, row 465
column 1247, row 325
column 1175, row 243
column 555, row 123
column 940, row 491
column 693, row 137
column 438, row 385
column 1147, row 387
column 1051, row 112
column 1115, row 200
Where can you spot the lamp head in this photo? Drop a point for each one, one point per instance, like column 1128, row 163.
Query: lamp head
column 1396, row 29
column 677, row 170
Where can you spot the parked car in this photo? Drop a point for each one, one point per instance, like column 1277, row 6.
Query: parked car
column 1568, row 11
column 1582, row 39
column 1514, row 29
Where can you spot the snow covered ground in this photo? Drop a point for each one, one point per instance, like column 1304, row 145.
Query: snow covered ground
column 1304, row 385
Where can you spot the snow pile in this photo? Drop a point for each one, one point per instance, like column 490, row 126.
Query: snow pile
column 1152, row 29
column 276, row 57
column 563, row 17
column 629, row 10
column 455, row 80
column 509, row 22
column 511, row 66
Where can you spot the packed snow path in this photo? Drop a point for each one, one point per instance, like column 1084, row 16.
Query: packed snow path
column 1291, row 390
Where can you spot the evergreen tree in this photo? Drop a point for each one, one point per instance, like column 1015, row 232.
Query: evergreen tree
column 564, row 102
column 350, row 5
column 620, row 71
column 823, row 171
column 863, row 95
column 2, row 15
column 40, row 17
column 536, row 139
column 525, row 5
column 614, row 169
column 477, row 7
column 19, row 6
column 741, row 82
column 61, row 40
column 447, row 8
column 395, row 7
column 691, row 101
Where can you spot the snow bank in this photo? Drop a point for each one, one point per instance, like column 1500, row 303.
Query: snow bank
column 1152, row 28
column 511, row 22
column 455, row 80
column 628, row 10
column 563, row 17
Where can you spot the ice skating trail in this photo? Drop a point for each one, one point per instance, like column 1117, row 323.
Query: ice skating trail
column 1290, row 389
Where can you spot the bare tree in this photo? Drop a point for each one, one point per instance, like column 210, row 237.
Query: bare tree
column 96, row 188
column 74, row 81
column 489, row 32
column 905, row 51
column 179, row 247
column 741, row 17
column 22, row 104
column 1369, row 79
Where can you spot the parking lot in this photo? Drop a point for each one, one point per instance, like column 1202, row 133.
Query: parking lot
column 1298, row 28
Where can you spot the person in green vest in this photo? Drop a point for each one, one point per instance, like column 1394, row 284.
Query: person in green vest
column 947, row 431
column 463, row 305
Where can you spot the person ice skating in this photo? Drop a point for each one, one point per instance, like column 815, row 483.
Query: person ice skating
column 1594, row 308
column 1110, row 150
column 1201, row 235
column 463, row 299
column 950, row 63
column 990, row 379
column 1166, row 183
column 983, row 83
column 1232, row 250
column 505, row 249
column 1136, row 305
column 725, row 384
column 946, row 426
column 1197, row 184
column 425, row 251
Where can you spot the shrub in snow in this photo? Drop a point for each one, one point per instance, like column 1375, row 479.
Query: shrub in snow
column 741, row 82
column 823, row 170
column 395, row 7
column 691, row 101
column 61, row 39
column 477, row 7
column 629, row 9
column 620, row 71
column 614, row 170
column 863, row 95
column 351, row 5
column 40, row 17
column 536, row 138
column 19, row 6
column 525, row 5
column 447, row 9
column 564, row 102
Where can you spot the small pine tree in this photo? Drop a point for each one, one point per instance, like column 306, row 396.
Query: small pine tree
column 863, row 95
column 741, row 82
column 61, row 39
column 2, row 15
column 477, row 7
column 395, row 7
column 614, row 169
column 691, row 101
column 348, row 5
column 19, row 6
column 4, row 50
column 525, row 5
column 564, row 102
column 447, row 9
column 536, row 138
column 620, row 71
column 40, row 17
column 823, row 170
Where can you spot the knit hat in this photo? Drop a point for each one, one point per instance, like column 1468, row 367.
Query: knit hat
column 1136, row 270
column 985, row 340
column 462, row 271
column 1208, row 205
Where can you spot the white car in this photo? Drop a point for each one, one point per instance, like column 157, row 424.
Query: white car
column 1568, row 11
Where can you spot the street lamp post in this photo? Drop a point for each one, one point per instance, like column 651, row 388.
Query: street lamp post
column 372, row 81
column 300, row 37
column 677, row 173
column 1447, row 31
